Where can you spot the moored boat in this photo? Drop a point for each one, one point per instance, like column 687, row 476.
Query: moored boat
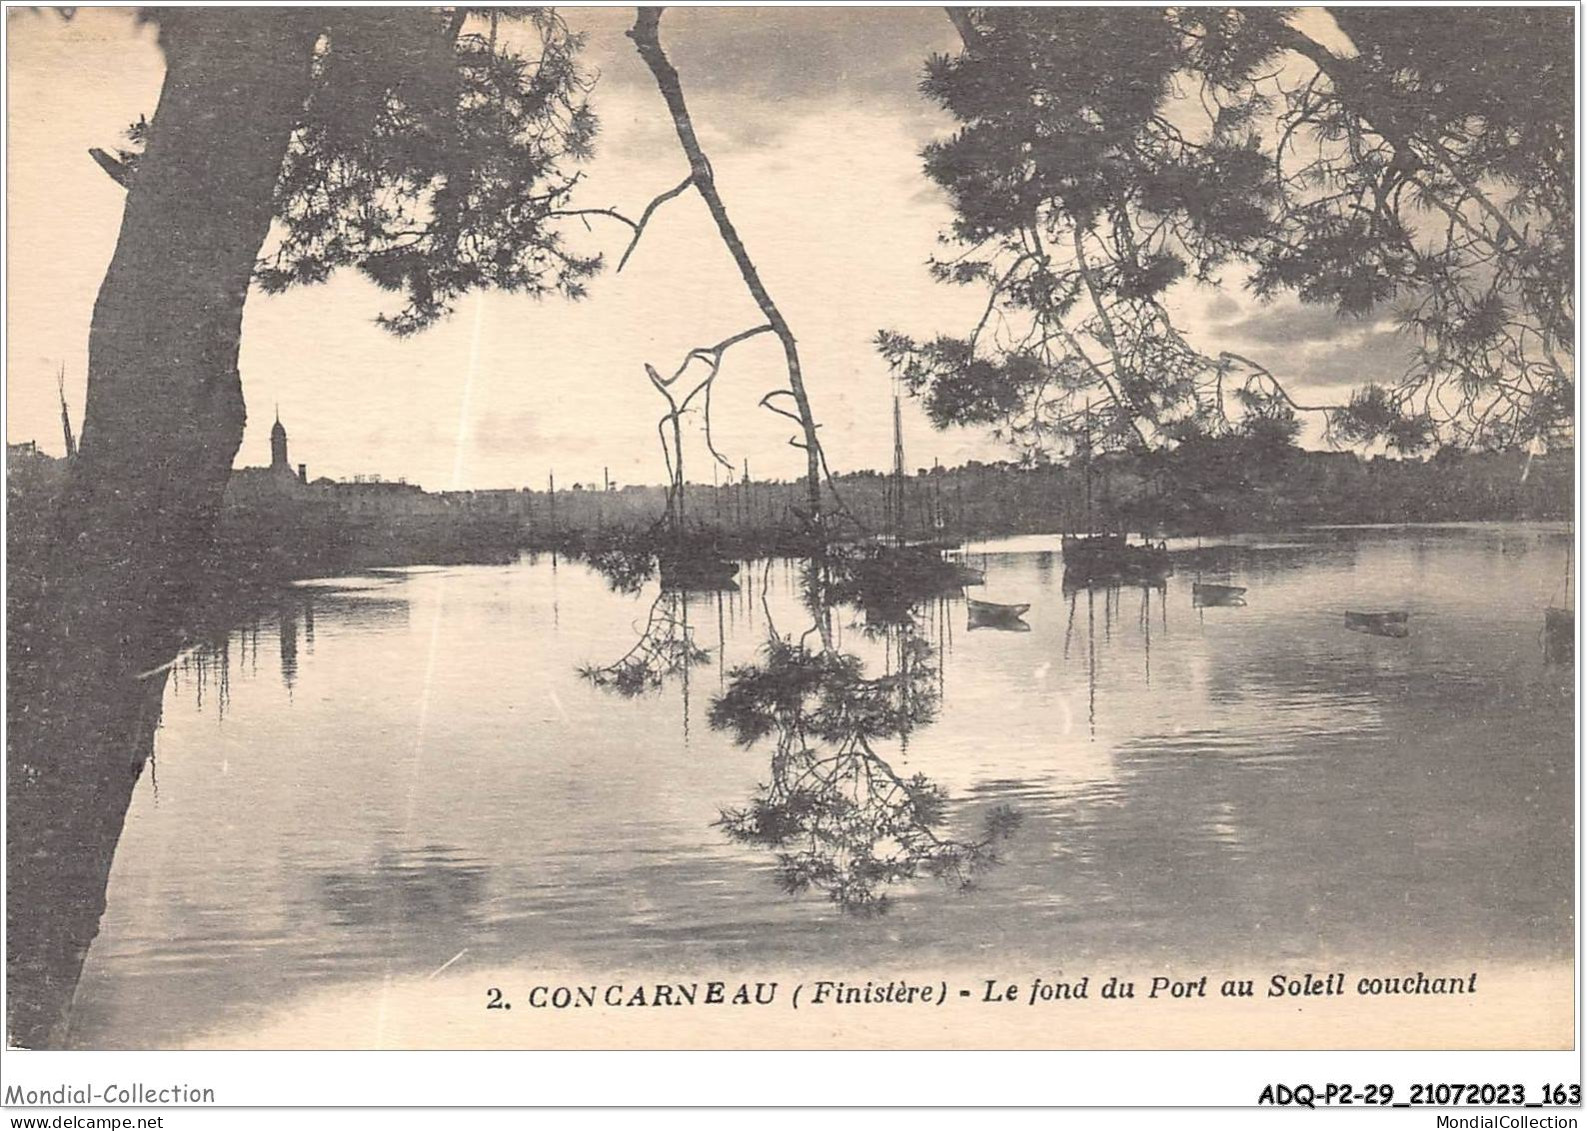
column 1102, row 556
column 990, row 614
column 1097, row 556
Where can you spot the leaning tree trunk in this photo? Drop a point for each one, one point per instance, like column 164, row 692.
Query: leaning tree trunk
column 646, row 34
column 163, row 421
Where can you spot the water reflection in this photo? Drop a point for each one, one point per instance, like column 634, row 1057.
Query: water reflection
column 833, row 810
column 1213, row 596
column 1244, row 782
column 203, row 669
column 287, row 633
column 625, row 568
column 887, row 584
column 837, row 815
column 1395, row 625
column 665, row 648
column 206, row 670
column 428, row 890
column 999, row 618
column 1114, row 595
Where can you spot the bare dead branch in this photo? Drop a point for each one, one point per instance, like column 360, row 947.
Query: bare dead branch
column 116, row 170
column 644, row 217
column 1278, row 386
column 646, row 34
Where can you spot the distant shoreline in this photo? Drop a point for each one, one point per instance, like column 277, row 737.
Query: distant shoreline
column 279, row 528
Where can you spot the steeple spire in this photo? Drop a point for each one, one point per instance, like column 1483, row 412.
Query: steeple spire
column 278, row 444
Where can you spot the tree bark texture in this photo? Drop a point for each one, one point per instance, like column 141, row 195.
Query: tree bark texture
column 163, row 421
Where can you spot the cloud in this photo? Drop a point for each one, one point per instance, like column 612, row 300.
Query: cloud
column 1377, row 356
column 1308, row 345
column 749, row 73
column 786, row 55
column 1223, row 308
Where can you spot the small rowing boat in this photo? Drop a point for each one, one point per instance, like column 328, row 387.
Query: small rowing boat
column 989, row 614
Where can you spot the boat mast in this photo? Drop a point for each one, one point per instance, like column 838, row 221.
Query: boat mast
column 897, row 504
column 1086, row 466
column 938, row 523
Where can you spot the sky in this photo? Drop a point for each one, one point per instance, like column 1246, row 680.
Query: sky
column 813, row 123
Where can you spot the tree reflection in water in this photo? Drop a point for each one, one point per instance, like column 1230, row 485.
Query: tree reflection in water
column 839, row 817
column 625, row 568
column 665, row 647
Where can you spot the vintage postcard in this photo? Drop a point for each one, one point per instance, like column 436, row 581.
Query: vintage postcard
column 851, row 528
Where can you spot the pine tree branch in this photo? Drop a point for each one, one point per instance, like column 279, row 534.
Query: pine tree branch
column 1345, row 75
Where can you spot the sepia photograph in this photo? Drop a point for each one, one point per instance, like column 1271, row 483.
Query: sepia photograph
column 804, row 528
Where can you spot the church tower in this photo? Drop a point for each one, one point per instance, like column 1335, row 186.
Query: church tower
column 278, row 446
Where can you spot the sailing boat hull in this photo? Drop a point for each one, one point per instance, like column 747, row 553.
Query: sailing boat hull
column 1109, row 556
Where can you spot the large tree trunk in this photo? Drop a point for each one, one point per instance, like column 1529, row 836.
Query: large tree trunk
column 163, row 422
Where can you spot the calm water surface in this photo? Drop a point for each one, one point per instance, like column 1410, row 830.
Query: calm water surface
column 395, row 769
